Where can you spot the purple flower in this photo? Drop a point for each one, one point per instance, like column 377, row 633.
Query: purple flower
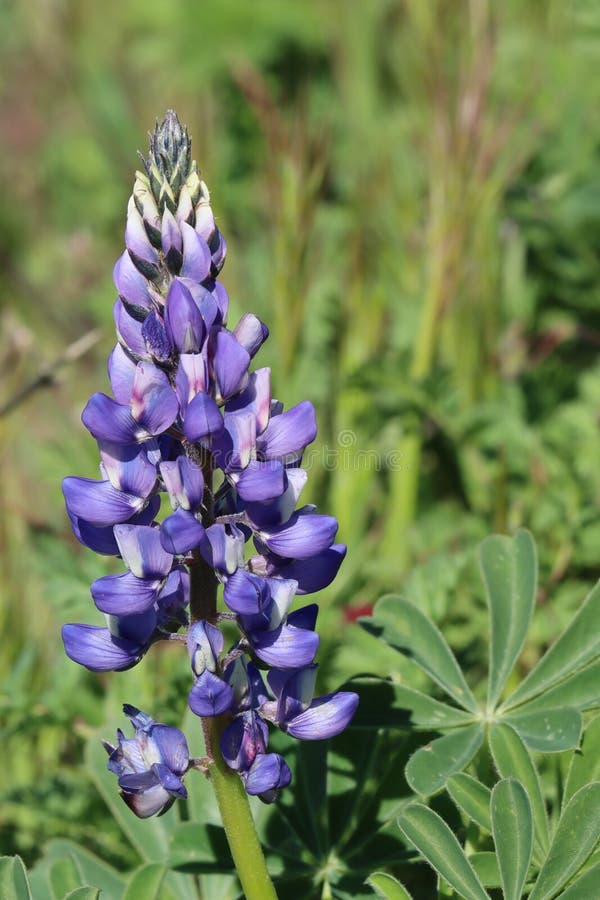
column 150, row 766
column 188, row 421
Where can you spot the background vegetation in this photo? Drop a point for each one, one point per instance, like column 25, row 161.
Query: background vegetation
column 410, row 191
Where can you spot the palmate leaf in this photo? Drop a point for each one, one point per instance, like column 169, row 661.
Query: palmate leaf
column 485, row 864
column 576, row 836
column 404, row 627
column 512, row 828
column 584, row 887
column 147, row 882
column 512, row 759
column 83, row 893
column 91, row 869
column 509, row 570
column 437, row 844
column 580, row 690
column 430, row 767
column 578, row 646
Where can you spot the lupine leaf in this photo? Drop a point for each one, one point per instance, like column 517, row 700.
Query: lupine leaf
column 577, row 646
column 485, row 864
column 430, row 767
column 147, row 882
column 91, row 868
column 384, row 704
column 14, row 884
column 472, row 798
column 512, row 829
column 404, row 627
column 548, row 730
column 512, row 759
column 585, row 887
column 64, row 877
column 576, row 836
column 585, row 764
column 387, row 887
column 509, row 571
column 581, row 690
column 436, row 843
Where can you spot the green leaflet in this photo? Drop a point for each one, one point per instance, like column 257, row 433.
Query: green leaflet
column 472, row 798
column 437, row 844
column 409, row 631
column 512, row 828
column 575, row 648
column 585, row 764
column 512, row 759
column 576, row 836
column 509, row 570
column 430, row 767
column 14, row 884
column 548, row 730
column 387, row 887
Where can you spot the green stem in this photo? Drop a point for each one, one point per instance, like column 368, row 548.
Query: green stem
column 238, row 822
column 231, row 797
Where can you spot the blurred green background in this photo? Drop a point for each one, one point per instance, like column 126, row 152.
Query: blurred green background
column 410, row 190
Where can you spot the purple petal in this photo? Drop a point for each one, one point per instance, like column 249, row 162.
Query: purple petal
column 181, row 532
column 138, row 628
column 108, row 420
column 98, row 501
column 286, row 647
column 205, row 221
column 136, row 240
column 312, row 574
column 218, row 251
column 175, row 594
column 100, row 538
column 129, row 331
column 130, row 283
column 255, row 398
column 121, row 372
column 229, row 364
column 142, row 551
column 245, row 593
column 288, row 434
column 269, row 514
column 222, row 300
column 305, row 617
column 247, row 683
column 173, row 748
column 154, row 402
column 261, row 481
column 184, row 322
column 171, row 782
column 154, row 333
column 204, row 643
column 171, row 241
column 191, row 378
column 282, row 593
column 149, row 802
column 185, row 209
column 128, row 468
column 96, row 649
column 242, row 740
column 196, row 255
column 325, row 717
column 303, row 536
column 205, row 300
column 222, row 551
column 210, row 696
column 202, row 418
column 269, row 772
column 233, row 447
column 294, row 691
column 184, row 481
column 124, row 595
column 251, row 333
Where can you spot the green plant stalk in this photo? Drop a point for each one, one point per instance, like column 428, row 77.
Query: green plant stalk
column 231, row 797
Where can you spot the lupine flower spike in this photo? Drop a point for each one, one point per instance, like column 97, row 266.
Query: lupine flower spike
column 190, row 421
